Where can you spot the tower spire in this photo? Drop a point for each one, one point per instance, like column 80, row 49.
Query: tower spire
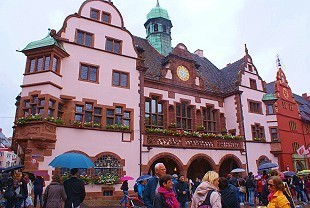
column 157, row 5
column 278, row 60
column 246, row 49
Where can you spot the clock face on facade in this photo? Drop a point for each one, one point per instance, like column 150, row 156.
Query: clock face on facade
column 285, row 93
column 183, row 73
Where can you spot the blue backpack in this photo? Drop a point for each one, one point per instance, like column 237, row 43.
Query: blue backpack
column 135, row 187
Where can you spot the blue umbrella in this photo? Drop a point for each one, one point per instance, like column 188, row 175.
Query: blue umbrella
column 71, row 160
column 237, row 170
column 267, row 166
column 143, row 177
column 289, row 173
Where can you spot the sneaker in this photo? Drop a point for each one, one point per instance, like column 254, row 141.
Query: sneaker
column 241, row 204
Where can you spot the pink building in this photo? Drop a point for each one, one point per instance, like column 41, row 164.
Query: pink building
column 129, row 102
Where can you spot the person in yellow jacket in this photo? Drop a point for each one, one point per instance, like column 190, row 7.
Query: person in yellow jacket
column 276, row 197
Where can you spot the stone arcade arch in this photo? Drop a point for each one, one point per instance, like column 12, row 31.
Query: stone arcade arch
column 173, row 164
column 198, row 165
column 227, row 163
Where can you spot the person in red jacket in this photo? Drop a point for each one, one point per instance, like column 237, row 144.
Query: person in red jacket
column 259, row 190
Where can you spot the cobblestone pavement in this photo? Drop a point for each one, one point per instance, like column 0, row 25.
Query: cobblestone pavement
column 114, row 204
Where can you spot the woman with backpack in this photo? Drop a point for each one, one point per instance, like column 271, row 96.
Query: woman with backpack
column 207, row 193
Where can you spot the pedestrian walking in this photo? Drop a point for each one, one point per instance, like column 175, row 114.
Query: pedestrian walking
column 124, row 188
column 182, row 191
column 38, row 185
column 251, row 186
column 165, row 197
column 152, row 185
column 54, row 194
column 75, row 190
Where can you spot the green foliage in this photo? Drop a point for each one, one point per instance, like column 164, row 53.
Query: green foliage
column 117, row 127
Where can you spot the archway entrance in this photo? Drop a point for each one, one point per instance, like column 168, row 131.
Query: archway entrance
column 227, row 165
column 198, row 168
column 171, row 166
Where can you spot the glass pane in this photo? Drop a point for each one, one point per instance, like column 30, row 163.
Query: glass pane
column 41, row 102
column 97, row 111
column 40, row 64
column 110, row 112
column 117, row 47
column 189, row 113
column 41, row 111
column 51, row 103
column 105, row 18
column 124, row 80
column 97, row 119
column 160, row 108
column 204, row 114
column 84, row 71
column 178, row 110
column 109, row 45
column 153, row 106
column 26, row 114
column 47, row 63
column 88, row 116
column 154, row 120
column 118, row 110
column 126, row 114
column 80, row 38
column 88, row 106
column 183, row 123
column 94, row 14
column 50, row 112
column 116, row 78
column 35, row 99
column 160, row 121
column 183, row 110
column 147, row 119
column 78, row 117
column 33, row 110
column 88, row 40
column 126, row 122
column 60, row 106
column 178, row 122
column 208, row 114
column 32, row 65
column 110, row 121
column 189, row 124
column 79, row 109
column 54, row 67
column 147, row 106
column 93, row 74
column 27, row 104
column 118, row 119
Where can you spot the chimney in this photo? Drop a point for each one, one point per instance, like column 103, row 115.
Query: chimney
column 228, row 64
column 305, row 96
column 0, row 130
column 199, row 52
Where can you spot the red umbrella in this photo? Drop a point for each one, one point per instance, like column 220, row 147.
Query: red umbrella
column 126, row 178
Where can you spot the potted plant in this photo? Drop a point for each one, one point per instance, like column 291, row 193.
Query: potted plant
column 201, row 128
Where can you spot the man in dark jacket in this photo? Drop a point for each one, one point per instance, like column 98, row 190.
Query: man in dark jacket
column 152, row 185
column 251, row 186
column 228, row 192
column 75, row 190
column 182, row 190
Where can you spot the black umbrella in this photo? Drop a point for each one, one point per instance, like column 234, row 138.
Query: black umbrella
column 14, row 167
column 267, row 166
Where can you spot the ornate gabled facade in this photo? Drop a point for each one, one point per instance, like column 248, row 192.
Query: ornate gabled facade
column 94, row 88
column 292, row 115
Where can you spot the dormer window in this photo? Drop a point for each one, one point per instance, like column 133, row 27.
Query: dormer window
column 106, row 17
column 253, row 84
column 164, row 28
column 94, row 14
column 113, row 45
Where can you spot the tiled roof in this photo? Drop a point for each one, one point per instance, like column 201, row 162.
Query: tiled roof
column 230, row 75
column 47, row 41
column 216, row 81
column 303, row 106
column 270, row 87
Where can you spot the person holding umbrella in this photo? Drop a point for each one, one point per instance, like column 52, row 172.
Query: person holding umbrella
column 124, row 188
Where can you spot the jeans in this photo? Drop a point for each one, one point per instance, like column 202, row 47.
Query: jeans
column 251, row 198
column 241, row 197
column 124, row 199
column 35, row 199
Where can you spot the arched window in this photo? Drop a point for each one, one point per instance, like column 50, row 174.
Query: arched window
column 108, row 168
column 156, row 27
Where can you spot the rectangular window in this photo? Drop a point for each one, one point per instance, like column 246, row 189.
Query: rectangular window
column 254, row 107
column 274, row 134
column 113, row 45
column 42, row 64
column 258, row 132
column 94, row 14
column 118, row 116
column 184, row 116
column 284, row 105
column 253, row 84
column 154, row 115
column 270, row 109
column 120, row 79
column 84, row 38
column 293, row 126
column 89, row 73
column 209, row 119
column 106, row 17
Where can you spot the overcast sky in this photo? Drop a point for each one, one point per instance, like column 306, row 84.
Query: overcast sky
column 218, row 27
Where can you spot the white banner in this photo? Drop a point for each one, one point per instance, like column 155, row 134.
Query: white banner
column 301, row 150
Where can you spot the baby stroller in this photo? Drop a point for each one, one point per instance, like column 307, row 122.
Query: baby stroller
column 134, row 202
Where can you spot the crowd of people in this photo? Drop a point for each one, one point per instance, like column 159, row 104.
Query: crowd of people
column 173, row 191
column 18, row 189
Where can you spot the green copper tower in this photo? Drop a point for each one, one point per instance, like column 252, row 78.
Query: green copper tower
column 158, row 29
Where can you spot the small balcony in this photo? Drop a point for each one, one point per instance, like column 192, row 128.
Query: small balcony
column 191, row 142
column 275, row 148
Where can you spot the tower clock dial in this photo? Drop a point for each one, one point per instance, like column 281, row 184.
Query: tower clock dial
column 183, row 73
